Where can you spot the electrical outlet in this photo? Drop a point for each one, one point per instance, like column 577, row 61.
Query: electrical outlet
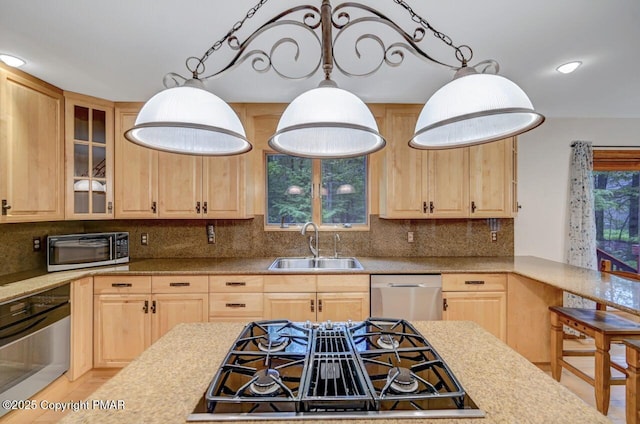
column 494, row 236
column 37, row 244
column 144, row 239
column 410, row 237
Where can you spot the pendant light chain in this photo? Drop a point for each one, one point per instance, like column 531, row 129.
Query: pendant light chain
column 460, row 55
column 199, row 68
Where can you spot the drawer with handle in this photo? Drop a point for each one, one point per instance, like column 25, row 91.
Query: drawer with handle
column 180, row 284
column 134, row 284
column 474, row 282
column 230, row 305
column 236, row 283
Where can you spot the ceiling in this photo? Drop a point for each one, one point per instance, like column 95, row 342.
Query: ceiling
column 121, row 49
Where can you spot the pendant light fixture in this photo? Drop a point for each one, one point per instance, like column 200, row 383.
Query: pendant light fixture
column 474, row 109
column 189, row 119
column 329, row 122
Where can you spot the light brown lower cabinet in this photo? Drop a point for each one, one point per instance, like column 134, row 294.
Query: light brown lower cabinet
column 235, row 297
column 481, row 298
column 291, row 306
column 131, row 312
column 326, row 297
column 81, row 359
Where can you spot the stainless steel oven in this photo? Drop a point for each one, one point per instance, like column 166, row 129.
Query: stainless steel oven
column 74, row 251
column 34, row 343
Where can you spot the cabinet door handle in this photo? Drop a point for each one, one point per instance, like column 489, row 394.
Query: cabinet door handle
column 5, row 206
column 110, row 206
column 121, row 284
column 145, row 308
column 474, row 282
column 313, row 306
column 235, row 283
column 204, row 207
column 444, row 304
column 154, row 207
column 431, row 207
column 473, row 207
column 153, row 307
column 424, row 207
column 235, row 305
column 180, row 284
column 198, row 207
column 319, row 305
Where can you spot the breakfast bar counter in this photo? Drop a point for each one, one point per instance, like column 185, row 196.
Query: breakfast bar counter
column 164, row 384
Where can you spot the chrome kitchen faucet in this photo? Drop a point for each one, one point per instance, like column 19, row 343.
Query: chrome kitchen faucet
column 312, row 240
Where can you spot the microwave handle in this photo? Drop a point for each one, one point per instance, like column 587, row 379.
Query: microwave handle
column 111, row 242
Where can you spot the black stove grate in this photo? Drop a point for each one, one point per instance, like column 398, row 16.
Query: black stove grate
column 303, row 370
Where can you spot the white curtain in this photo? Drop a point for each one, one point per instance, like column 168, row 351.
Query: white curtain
column 582, row 220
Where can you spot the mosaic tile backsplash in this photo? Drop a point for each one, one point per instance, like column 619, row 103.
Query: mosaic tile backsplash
column 247, row 238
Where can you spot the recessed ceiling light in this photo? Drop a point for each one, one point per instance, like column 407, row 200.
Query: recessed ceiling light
column 567, row 68
column 13, row 61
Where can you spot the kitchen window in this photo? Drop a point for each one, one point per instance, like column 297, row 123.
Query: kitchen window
column 616, row 182
column 332, row 192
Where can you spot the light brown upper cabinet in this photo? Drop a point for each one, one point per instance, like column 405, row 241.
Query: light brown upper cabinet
column 151, row 184
column 88, row 157
column 31, row 149
column 136, row 169
column 468, row 182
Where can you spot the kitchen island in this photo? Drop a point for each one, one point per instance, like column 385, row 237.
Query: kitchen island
column 164, row 384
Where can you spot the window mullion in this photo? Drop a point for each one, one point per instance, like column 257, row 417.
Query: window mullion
column 316, row 180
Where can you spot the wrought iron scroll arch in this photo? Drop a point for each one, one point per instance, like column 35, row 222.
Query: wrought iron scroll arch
column 261, row 60
column 342, row 21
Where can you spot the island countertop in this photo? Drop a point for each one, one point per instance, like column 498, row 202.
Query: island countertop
column 164, row 384
column 605, row 288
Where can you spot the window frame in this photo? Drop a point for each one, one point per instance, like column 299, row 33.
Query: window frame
column 316, row 200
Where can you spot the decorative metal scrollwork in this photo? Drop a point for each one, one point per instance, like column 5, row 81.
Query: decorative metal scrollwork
column 342, row 22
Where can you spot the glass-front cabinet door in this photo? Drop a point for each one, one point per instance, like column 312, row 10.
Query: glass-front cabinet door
column 89, row 157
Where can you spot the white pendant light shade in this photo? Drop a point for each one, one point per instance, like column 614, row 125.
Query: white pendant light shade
column 474, row 109
column 189, row 120
column 327, row 122
column 83, row 185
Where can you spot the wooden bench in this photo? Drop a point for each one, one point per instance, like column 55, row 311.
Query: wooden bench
column 605, row 328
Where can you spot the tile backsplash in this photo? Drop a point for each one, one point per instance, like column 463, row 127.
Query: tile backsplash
column 247, row 238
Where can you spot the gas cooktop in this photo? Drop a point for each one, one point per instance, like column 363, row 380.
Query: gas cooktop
column 378, row 368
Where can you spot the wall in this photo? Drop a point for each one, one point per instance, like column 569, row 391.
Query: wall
column 543, row 178
column 247, row 238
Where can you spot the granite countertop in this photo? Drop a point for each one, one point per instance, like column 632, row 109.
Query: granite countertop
column 608, row 289
column 164, row 384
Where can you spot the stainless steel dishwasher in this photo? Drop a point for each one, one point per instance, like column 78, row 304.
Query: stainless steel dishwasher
column 411, row 297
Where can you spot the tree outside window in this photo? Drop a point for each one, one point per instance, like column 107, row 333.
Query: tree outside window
column 332, row 192
column 617, row 207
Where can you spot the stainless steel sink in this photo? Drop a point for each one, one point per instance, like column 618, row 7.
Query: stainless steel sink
column 299, row 264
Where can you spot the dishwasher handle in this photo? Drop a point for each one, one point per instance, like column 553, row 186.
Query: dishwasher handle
column 404, row 285
column 421, row 285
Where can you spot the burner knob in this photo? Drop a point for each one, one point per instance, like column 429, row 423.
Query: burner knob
column 308, row 324
column 328, row 325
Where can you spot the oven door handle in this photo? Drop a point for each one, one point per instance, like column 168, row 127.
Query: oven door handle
column 27, row 328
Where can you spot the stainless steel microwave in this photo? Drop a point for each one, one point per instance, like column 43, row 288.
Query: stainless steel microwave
column 75, row 251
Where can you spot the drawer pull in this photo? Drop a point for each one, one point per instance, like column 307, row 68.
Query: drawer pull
column 235, row 283
column 121, row 284
column 236, row 305
column 180, row 284
column 474, row 282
